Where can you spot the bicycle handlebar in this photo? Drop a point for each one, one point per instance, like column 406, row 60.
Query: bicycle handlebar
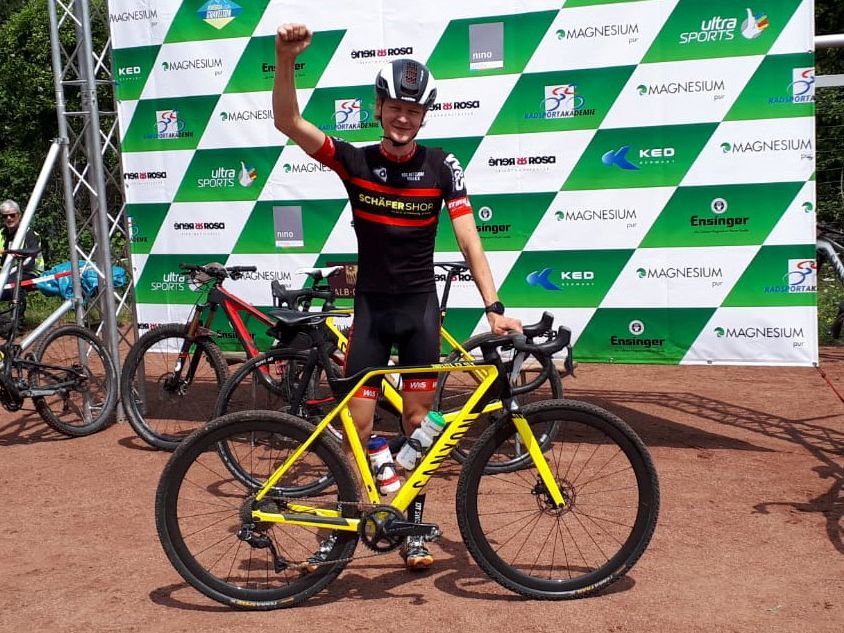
column 218, row 272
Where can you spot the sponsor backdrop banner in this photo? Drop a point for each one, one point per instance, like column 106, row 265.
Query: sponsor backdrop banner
column 642, row 168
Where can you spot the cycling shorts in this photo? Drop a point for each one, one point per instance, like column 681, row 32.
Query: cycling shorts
column 409, row 322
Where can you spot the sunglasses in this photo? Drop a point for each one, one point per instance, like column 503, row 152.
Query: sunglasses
column 9, row 215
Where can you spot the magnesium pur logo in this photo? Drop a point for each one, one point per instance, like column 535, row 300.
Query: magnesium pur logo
column 698, row 86
column 219, row 13
column 802, row 145
column 199, row 63
column 771, row 332
column 238, row 116
column 597, row 215
column 629, row 30
column 722, row 29
column 686, row 272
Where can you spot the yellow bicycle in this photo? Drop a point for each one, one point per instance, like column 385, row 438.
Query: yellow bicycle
column 574, row 518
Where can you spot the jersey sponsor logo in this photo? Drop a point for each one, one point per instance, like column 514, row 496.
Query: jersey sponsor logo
column 456, row 169
column 380, row 173
column 400, row 206
column 413, row 176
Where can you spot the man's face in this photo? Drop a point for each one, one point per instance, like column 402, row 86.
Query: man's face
column 401, row 120
column 11, row 219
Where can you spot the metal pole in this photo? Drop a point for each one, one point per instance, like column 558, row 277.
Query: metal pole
column 70, row 210
column 829, row 41
column 34, row 200
column 99, row 199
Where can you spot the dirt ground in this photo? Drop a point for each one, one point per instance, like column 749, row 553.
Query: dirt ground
column 750, row 536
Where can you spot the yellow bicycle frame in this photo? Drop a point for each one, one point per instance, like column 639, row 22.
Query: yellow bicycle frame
column 389, row 388
column 459, row 423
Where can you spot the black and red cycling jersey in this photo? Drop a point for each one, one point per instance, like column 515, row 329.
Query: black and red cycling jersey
column 396, row 206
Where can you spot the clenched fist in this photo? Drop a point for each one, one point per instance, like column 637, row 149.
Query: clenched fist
column 292, row 39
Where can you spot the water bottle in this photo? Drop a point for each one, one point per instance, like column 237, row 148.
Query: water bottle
column 420, row 440
column 382, row 465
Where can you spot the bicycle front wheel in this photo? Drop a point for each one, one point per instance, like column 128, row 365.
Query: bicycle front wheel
column 75, row 365
column 278, row 380
column 204, row 521
column 520, row 539
column 538, row 379
column 169, row 384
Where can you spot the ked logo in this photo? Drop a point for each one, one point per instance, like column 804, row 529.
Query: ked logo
column 382, row 52
column 128, row 71
column 199, row 226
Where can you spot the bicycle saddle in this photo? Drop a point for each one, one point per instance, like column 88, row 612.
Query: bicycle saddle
column 291, row 318
column 320, row 273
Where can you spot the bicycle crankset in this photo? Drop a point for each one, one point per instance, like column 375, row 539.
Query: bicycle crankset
column 375, row 530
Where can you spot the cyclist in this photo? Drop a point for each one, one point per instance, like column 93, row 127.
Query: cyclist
column 396, row 189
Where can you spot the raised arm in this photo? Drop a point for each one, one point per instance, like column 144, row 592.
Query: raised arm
column 290, row 41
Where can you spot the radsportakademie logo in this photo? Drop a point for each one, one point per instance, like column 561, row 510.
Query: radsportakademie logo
column 219, row 13
column 350, row 115
column 721, row 29
column 169, row 125
column 628, row 29
column 802, row 275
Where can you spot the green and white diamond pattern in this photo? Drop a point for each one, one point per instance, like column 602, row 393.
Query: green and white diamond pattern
column 642, row 168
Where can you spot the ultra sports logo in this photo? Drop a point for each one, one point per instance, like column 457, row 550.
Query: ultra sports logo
column 223, row 177
column 721, row 29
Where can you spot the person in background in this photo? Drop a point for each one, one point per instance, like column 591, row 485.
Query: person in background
column 32, row 266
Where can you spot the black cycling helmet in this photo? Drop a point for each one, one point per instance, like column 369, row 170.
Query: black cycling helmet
column 407, row 80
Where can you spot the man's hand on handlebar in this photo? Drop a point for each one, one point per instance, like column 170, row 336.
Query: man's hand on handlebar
column 501, row 324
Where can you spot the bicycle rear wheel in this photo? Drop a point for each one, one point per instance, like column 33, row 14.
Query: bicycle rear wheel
column 161, row 407
column 201, row 512
column 537, row 380
column 74, row 357
column 611, row 493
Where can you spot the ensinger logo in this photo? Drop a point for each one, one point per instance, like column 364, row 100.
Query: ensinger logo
column 235, row 116
column 485, row 228
column 518, row 161
column 722, row 29
column 601, row 30
column 134, row 16
column 637, row 329
column 198, row 63
column 199, row 226
column 224, row 177
column 219, row 13
column 682, row 87
column 718, row 206
column 269, row 69
column 368, row 53
column 687, row 272
column 596, row 215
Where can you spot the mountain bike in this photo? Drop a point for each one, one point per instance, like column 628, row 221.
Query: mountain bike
column 574, row 519
column 70, row 377
column 829, row 251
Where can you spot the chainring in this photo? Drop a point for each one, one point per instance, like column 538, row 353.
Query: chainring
column 372, row 530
